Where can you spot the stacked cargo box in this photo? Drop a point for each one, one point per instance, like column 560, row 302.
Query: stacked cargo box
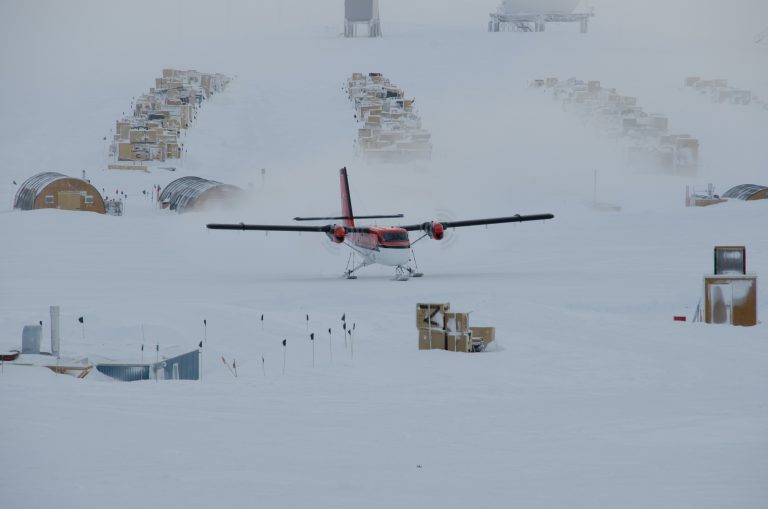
column 390, row 129
column 152, row 132
column 620, row 116
column 430, row 323
column 720, row 92
column 441, row 329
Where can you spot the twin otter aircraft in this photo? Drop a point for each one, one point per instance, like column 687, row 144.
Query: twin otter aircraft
column 383, row 245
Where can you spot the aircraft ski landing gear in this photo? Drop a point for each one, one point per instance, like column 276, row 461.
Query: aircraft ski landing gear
column 350, row 273
column 415, row 271
column 401, row 274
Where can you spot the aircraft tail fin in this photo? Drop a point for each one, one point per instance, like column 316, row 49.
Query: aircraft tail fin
column 346, row 201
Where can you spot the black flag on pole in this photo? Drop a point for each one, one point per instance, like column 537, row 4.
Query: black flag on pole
column 81, row 319
column 312, row 337
column 284, row 342
column 201, row 344
column 343, row 317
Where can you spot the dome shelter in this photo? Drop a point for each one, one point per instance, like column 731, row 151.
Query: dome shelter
column 194, row 193
column 747, row 192
column 52, row 190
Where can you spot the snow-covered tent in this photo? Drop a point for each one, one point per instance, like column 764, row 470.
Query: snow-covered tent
column 52, row 190
column 189, row 193
column 747, row 192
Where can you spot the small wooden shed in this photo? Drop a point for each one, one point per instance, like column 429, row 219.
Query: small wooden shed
column 52, row 190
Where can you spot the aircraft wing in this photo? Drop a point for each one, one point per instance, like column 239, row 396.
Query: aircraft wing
column 478, row 222
column 329, row 228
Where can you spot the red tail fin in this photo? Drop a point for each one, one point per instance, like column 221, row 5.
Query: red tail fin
column 346, row 201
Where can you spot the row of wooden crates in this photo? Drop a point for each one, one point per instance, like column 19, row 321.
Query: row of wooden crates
column 441, row 329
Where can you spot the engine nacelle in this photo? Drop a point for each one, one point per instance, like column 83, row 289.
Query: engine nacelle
column 338, row 234
column 434, row 230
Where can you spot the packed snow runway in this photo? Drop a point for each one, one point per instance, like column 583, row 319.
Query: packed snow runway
column 591, row 396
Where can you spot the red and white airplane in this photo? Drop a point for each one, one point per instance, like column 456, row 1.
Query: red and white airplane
column 389, row 246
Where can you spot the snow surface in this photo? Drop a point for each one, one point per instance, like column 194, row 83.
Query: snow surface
column 591, row 397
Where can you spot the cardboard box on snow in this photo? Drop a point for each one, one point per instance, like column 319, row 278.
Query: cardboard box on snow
column 456, row 322
column 431, row 339
column 458, row 342
column 487, row 334
column 431, row 315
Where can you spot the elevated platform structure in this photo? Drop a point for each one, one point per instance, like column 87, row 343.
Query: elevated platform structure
column 536, row 22
column 361, row 12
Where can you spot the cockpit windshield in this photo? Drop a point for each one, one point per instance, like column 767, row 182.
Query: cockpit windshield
column 394, row 237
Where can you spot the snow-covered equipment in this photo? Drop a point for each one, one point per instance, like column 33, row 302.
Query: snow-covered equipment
column 114, row 207
column 696, row 198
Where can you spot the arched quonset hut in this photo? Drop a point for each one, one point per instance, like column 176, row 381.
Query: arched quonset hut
column 747, row 192
column 51, row 190
column 194, row 193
